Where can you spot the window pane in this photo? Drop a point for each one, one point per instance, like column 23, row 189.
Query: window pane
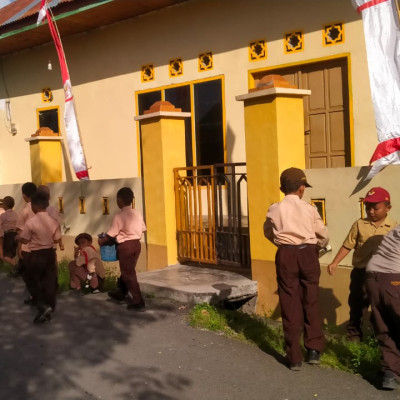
column 145, row 100
column 208, row 122
column 49, row 119
column 180, row 98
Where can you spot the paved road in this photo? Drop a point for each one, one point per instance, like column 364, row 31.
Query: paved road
column 95, row 349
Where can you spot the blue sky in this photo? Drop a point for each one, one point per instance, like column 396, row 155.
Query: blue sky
column 5, row 2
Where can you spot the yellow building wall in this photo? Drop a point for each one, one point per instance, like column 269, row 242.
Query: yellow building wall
column 105, row 74
column 46, row 161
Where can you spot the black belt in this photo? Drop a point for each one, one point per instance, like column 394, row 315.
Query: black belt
column 298, row 246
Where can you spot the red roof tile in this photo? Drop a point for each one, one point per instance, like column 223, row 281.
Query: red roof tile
column 21, row 9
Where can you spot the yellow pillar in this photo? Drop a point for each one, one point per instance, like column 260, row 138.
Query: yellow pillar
column 163, row 149
column 46, row 159
column 274, row 128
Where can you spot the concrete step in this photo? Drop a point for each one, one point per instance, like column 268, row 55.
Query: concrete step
column 195, row 285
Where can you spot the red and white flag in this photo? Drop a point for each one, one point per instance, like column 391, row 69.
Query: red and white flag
column 71, row 124
column 382, row 39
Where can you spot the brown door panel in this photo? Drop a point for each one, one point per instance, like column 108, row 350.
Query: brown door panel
column 326, row 111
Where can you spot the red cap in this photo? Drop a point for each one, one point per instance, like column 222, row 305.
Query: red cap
column 376, row 195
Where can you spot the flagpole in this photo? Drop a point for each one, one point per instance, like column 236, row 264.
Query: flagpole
column 77, row 155
column 62, row 47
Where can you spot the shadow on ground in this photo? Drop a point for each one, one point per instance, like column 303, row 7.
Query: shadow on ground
column 44, row 361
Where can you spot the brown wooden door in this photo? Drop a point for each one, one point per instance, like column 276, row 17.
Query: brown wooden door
column 326, row 111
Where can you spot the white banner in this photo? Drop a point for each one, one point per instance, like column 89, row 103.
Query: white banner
column 382, row 38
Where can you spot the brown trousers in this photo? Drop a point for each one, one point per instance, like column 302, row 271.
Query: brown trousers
column 78, row 274
column 128, row 254
column 384, row 292
column 358, row 302
column 40, row 275
column 298, row 271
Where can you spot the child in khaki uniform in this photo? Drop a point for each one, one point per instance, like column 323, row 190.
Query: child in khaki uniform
column 8, row 231
column 40, row 233
column 364, row 237
column 296, row 228
column 87, row 266
column 127, row 229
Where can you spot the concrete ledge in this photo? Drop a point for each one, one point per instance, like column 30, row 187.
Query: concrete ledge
column 195, row 285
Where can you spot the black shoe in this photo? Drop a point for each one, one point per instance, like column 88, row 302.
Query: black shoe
column 29, row 301
column 136, row 307
column 117, row 295
column 313, row 356
column 390, row 381
column 43, row 316
column 295, row 367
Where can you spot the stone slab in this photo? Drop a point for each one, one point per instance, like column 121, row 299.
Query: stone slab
column 195, row 285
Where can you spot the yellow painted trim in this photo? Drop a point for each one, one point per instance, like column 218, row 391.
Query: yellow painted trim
column 194, row 154
column 324, row 34
column 82, row 205
column 142, row 78
column 314, row 202
column 351, row 119
column 139, row 155
column 286, row 37
column 45, row 109
column 265, row 49
column 362, row 208
column 251, row 85
column 223, row 118
column 61, row 205
column 209, row 54
column 211, row 78
column 170, row 69
column 293, row 64
column 47, row 95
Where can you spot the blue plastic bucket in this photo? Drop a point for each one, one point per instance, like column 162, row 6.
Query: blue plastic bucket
column 108, row 253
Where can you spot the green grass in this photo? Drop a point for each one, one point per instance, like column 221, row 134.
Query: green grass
column 63, row 276
column 5, row 267
column 359, row 358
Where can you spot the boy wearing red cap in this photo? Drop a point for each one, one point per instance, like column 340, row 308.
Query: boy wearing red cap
column 296, row 228
column 364, row 237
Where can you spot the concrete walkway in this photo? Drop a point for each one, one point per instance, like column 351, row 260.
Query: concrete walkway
column 95, row 349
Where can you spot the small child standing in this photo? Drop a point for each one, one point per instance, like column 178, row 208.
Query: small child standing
column 364, row 237
column 127, row 228
column 383, row 287
column 296, row 228
column 87, row 266
column 8, row 230
column 40, row 233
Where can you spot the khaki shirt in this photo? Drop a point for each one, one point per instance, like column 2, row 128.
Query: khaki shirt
column 293, row 221
column 128, row 224
column 364, row 237
column 41, row 231
column 90, row 257
column 24, row 216
column 8, row 221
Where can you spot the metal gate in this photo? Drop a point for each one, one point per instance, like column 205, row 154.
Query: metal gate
column 211, row 215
